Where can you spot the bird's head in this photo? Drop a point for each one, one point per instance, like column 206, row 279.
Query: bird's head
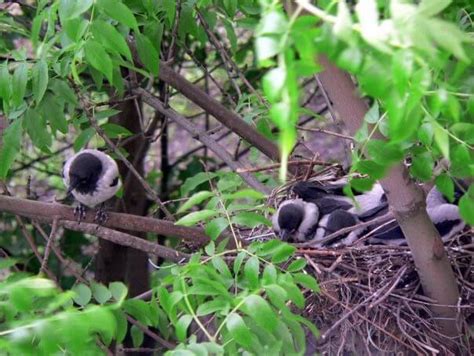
column 289, row 219
column 84, row 173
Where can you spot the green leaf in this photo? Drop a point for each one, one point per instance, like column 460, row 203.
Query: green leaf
column 115, row 131
column 239, row 331
column 448, row 36
column 182, row 327
column 106, row 34
column 277, row 295
column 195, row 217
column 10, row 146
column 83, row 138
column 212, row 307
column 250, row 219
column 170, row 9
column 139, row 309
column 260, row 311
column 266, row 47
column 251, row 271
column 101, row 293
column 210, row 248
column 193, row 182
column 441, row 138
column 384, row 153
column 221, row 266
column 69, row 9
column 273, row 22
column 373, row 115
column 466, row 207
column 122, row 325
column 62, row 89
column 195, row 199
column 215, row 227
column 446, row 186
column 296, row 265
column 422, row 166
column 82, row 295
column 40, row 79
column 98, row 58
column 118, row 291
column 5, row 82
column 430, row 8
column 370, row 168
column 147, row 53
column 238, row 262
column 283, row 253
column 343, row 25
column 120, row 12
column 106, row 113
column 137, row 336
column 273, row 83
column 35, row 125
column 20, row 78
column 52, row 108
column 269, row 275
column 8, row 262
column 306, row 281
column 294, row 294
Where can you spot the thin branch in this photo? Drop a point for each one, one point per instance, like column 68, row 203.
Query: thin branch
column 49, row 243
column 128, row 240
column 327, row 132
column 201, row 135
column 302, row 162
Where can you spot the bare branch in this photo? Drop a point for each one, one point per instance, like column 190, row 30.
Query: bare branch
column 48, row 211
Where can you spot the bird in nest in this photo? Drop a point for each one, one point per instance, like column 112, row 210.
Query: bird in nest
column 92, row 177
column 319, row 211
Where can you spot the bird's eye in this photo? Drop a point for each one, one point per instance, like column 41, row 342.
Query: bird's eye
column 114, row 182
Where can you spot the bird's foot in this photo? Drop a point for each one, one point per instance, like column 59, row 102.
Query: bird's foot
column 80, row 212
column 101, row 215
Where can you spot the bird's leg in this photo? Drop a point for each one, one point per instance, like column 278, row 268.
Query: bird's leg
column 101, row 215
column 80, row 212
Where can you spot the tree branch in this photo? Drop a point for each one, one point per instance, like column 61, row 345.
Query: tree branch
column 201, row 135
column 128, row 240
column 219, row 111
column 48, row 211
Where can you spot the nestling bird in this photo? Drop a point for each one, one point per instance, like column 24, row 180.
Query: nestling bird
column 296, row 220
column 92, row 177
column 445, row 217
column 324, row 210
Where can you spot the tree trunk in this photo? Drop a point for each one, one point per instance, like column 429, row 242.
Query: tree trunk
column 407, row 202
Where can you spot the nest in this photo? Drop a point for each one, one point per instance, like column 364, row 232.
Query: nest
column 372, row 301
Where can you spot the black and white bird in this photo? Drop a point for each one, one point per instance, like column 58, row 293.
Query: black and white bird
column 444, row 215
column 296, row 220
column 338, row 211
column 331, row 197
column 92, row 177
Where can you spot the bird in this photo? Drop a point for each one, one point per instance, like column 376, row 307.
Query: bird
column 92, row 177
column 324, row 210
column 334, row 222
column 296, row 220
column 331, row 197
column 444, row 215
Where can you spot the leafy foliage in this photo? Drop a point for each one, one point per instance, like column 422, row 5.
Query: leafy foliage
column 413, row 60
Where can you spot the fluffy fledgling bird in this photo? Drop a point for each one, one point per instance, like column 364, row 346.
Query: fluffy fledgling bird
column 296, row 220
column 444, row 215
column 92, row 177
column 331, row 197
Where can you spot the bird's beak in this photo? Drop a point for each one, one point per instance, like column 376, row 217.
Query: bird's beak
column 285, row 235
column 73, row 185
